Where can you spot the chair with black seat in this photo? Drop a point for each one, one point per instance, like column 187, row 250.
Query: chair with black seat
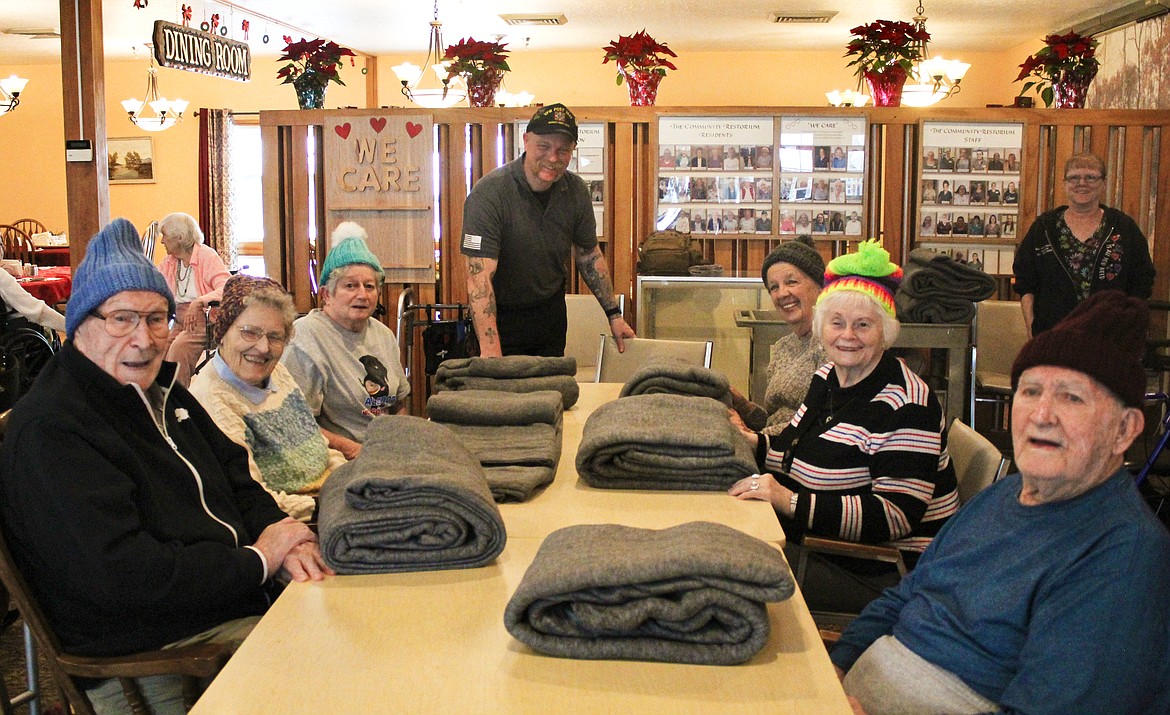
column 31, row 226
column 977, row 463
column 17, row 244
column 614, row 366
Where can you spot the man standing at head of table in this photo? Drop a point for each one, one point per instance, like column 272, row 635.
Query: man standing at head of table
column 520, row 223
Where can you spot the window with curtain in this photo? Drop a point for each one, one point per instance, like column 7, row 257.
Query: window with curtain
column 247, row 217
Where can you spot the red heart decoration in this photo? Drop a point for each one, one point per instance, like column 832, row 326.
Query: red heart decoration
column 342, row 130
column 413, row 129
column 378, row 124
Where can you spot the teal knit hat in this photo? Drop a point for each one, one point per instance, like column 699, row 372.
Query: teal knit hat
column 349, row 247
column 113, row 263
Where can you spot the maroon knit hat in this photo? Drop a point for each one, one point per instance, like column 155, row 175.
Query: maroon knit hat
column 236, row 289
column 1104, row 337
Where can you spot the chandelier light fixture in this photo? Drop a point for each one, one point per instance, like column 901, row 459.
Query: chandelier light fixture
column 415, row 82
column 933, row 79
column 163, row 114
column 846, row 98
column 10, row 90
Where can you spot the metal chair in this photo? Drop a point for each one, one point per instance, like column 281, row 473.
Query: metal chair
column 17, row 244
column 586, row 320
column 31, row 226
column 1000, row 333
column 614, row 366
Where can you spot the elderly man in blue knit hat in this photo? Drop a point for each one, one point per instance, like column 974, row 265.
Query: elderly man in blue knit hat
column 133, row 518
column 344, row 360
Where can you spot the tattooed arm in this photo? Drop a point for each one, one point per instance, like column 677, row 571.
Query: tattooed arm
column 482, row 297
column 592, row 269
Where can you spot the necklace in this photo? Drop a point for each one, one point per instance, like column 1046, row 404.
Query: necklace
column 831, row 411
column 180, row 276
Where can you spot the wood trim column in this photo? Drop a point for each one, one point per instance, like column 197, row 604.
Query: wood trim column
column 84, row 106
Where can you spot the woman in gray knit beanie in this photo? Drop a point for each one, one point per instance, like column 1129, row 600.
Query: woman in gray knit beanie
column 794, row 273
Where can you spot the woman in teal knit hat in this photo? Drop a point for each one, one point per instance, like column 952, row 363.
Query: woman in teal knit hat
column 864, row 458
column 335, row 348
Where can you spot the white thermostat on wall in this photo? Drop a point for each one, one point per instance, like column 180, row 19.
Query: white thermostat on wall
column 78, row 150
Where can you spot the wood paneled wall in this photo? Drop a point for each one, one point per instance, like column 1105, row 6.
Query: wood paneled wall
column 1130, row 141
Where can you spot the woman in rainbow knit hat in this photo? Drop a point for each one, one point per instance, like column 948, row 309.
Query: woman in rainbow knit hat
column 864, row 458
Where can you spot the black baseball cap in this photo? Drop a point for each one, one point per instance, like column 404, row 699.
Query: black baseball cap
column 554, row 119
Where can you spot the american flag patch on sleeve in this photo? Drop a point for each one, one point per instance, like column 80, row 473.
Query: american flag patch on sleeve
column 471, row 241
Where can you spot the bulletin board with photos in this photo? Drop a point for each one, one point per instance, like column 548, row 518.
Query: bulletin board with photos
column 969, row 192
column 822, row 168
column 716, row 175
column 588, row 162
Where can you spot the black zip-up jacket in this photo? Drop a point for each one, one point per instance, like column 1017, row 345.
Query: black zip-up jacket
column 131, row 537
column 1122, row 263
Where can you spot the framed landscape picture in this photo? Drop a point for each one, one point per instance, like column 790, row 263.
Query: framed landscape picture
column 131, row 160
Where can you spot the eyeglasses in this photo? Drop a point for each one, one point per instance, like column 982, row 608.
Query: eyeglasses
column 120, row 323
column 252, row 334
column 1084, row 178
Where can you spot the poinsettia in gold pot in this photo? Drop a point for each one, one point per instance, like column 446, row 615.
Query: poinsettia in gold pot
column 641, row 62
column 312, row 65
column 482, row 65
column 884, row 53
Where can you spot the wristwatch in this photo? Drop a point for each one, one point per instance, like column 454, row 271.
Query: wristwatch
column 613, row 312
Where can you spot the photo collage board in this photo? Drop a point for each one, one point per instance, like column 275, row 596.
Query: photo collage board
column 822, row 170
column 969, row 192
column 716, row 175
column 588, row 162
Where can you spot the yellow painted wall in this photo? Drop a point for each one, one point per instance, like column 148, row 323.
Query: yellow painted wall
column 32, row 141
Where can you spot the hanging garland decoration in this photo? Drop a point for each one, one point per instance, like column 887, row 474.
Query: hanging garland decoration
column 214, row 23
column 244, row 26
column 186, row 16
column 141, row 4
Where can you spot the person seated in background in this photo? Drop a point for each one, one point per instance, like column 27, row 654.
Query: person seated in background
column 19, row 306
column 1048, row 591
column 864, row 458
column 345, row 361
column 130, row 515
column 195, row 274
column 256, row 402
column 793, row 273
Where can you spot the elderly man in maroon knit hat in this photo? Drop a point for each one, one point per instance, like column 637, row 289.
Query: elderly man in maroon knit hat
column 1049, row 591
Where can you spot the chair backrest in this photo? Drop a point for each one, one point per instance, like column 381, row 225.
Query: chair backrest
column 977, row 461
column 149, row 236
column 17, row 244
column 613, row 366
column 31, row 226
column 1000, row 333
column 586, row 321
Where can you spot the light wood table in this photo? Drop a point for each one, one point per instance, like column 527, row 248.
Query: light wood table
column 435, row 642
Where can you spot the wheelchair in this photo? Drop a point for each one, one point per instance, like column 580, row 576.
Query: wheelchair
column 25, row 349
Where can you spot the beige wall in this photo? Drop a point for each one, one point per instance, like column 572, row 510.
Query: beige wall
column 32, row 142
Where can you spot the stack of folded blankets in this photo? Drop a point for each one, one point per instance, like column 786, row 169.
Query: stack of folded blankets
column 676, row 377
column 937, row 289
column 693, row 593
column 663, row 442
column 515, row 436
column 511, row 373
column 412, row 500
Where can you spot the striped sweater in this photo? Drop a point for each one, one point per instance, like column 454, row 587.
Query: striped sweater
column 869, row 462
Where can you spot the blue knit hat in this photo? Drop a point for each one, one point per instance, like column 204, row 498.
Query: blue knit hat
column 113, row 263
column 349, row 247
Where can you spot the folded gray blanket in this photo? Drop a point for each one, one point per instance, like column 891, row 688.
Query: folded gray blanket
column 566, row 385
column 928, row 274
column 663, row 442
column 676, row 377
column 693, row 593
column 413, row 500
column 490, row 407
column 936, row 309
column 509, row 367
column 516, row 459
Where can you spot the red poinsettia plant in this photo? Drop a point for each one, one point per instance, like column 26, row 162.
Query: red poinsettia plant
column 320, row 56
column 474, row 57
column 639, row 51
column 885, row 43
column 1064, row 58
